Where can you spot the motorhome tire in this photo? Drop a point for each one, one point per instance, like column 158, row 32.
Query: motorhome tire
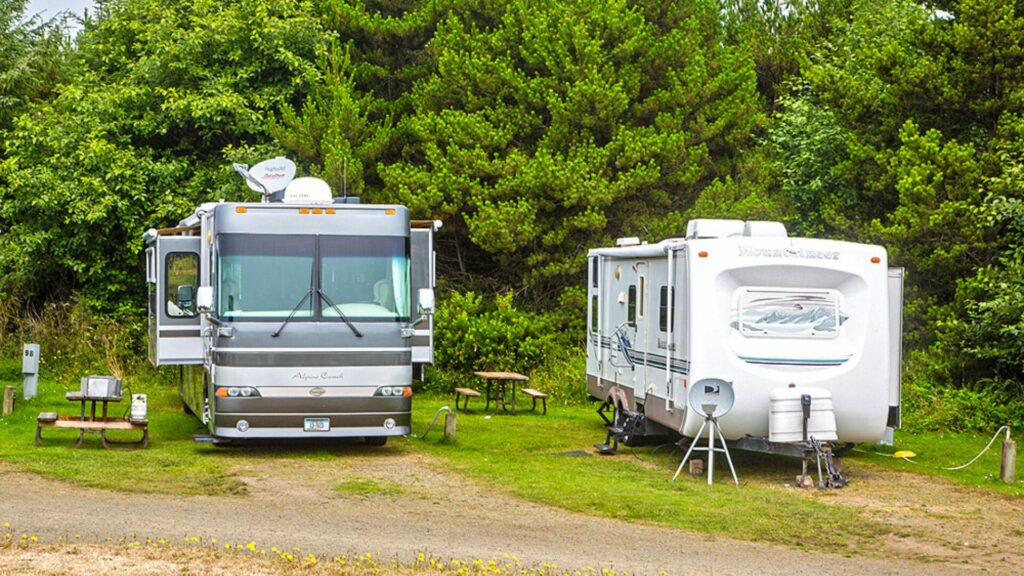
column 376, row 440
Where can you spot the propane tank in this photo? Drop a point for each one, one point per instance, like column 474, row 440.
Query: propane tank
column 138, row 411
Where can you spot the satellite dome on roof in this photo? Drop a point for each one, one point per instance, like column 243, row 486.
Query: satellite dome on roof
column 308, row 190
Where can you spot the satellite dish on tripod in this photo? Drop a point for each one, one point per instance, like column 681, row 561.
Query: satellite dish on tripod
column 712, row 397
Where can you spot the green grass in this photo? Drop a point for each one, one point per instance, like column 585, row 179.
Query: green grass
column 937, row 451
column 173, row 463
column 368, row 487
column 530, row 456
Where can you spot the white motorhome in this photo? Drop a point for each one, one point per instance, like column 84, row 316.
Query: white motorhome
column 745, row 303
column 300, row 316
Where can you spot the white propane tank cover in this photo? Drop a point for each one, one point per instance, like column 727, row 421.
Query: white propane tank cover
column 763, row 228
column 712, row 228
column 786, row 418
column 627, row 241
column 308, row 190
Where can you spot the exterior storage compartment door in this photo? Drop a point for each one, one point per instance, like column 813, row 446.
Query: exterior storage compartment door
column 173, row 273
column 421, row 271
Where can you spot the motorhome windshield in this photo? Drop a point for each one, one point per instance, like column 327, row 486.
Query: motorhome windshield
column 264, row 276
column 361, row 278
column 365, row 277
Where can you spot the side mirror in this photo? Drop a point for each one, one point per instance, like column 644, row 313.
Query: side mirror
column 426, row 299
column 204, row 299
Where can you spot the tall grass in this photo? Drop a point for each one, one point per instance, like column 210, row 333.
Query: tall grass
column 74, row 341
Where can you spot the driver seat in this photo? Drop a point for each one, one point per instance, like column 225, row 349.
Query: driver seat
column 382, row 294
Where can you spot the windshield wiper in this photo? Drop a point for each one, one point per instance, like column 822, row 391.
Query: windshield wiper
column 292, row 313
column 340, row 314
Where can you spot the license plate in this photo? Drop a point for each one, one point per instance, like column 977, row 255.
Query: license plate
column 316, row 425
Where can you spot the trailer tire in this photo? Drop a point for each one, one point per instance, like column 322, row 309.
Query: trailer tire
column 375, row 440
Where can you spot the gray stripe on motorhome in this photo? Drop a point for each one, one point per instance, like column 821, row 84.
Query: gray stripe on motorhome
column 313, row 335
column 179, row 333
column 306, row 359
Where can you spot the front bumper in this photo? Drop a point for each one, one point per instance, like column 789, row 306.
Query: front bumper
column 284, row 417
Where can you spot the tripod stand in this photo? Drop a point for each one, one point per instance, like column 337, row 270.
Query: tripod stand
column 711, row 423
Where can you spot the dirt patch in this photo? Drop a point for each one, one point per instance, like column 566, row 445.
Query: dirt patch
column 936, row 519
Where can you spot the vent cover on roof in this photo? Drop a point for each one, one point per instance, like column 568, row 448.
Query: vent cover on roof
column 628, row 241
column 763, row 228
column 710, row 228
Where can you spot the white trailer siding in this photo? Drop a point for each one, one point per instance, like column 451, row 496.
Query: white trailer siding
column 762, row 312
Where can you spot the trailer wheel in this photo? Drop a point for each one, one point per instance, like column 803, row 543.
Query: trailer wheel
column 375, row 440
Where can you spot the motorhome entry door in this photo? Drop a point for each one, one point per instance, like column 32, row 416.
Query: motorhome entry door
column 422, row 275
column 174, row 277
column 639, row 329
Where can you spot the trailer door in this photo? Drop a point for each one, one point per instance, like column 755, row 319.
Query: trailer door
column 895, row 346
column 173, row 273
column 421, row 269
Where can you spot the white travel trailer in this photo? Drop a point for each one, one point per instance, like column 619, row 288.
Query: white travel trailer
column 299, row 316
column 745, row 303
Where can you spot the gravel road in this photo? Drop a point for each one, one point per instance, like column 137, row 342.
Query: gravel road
column 439, row 513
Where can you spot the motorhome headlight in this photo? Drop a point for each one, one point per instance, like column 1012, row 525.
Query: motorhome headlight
column 389, row 423
column 242, row 425
column 236, row 392
column 394, row 391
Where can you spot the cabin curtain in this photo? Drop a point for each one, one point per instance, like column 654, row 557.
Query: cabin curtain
column 400, row 279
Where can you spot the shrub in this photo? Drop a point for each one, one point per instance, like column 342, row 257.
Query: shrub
column 473, row 332
column 928, row 404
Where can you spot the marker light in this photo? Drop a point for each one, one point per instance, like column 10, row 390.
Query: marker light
column 236, row 391
column 703, row 253
column 875, row 259
column 241, row 209
column 390, row 211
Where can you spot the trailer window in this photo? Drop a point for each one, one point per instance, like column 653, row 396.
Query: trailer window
column 593, row 313
column 789, row 313
column 663, row 318
column 631, row 305
column 594, row 272
column 264, row 276
column 182, row 275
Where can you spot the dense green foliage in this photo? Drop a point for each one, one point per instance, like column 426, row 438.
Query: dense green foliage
column 536, row 130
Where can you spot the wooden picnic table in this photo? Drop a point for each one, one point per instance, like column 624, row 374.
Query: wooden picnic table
column 501, row 381
column 91, row 423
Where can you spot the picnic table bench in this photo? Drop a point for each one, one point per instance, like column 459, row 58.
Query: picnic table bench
column 92, row 423
column 501, row 389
